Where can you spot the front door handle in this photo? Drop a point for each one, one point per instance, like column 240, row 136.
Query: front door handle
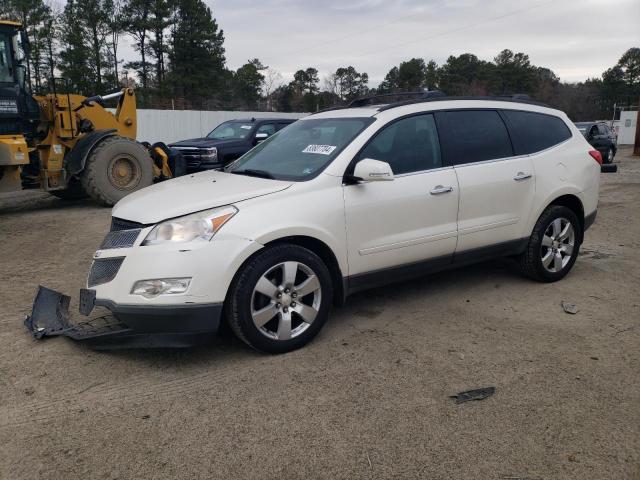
column 522, row 176
column 440, row 189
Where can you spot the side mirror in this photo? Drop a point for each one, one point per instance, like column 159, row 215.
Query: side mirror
column 370, row 170
column 261, row 136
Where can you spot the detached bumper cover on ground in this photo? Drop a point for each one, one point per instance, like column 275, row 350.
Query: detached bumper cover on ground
column 127, row 326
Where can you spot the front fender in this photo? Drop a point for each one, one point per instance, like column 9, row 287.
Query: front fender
column 77, row 157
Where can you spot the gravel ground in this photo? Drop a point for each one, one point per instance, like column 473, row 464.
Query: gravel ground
column 367, row 399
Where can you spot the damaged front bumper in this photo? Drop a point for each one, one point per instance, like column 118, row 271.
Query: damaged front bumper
column 125, row 326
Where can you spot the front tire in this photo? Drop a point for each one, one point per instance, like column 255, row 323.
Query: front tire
column 553, row 246
column 280, row 299
column 116, row 167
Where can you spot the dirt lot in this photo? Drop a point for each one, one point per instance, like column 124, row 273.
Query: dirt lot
column 367, row 399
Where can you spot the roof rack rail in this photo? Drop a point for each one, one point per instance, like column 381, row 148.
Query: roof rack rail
column 361, row 102
column 430, row 96
column 516, row 98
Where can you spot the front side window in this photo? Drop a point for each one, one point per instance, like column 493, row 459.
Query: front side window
column 231, row 131
column 408, row 145
column 468, row 136
column 300, row 151
column 5, row 61
column 533, row 132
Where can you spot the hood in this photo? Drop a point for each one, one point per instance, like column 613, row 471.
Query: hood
column 208, row 142
column 192, row 193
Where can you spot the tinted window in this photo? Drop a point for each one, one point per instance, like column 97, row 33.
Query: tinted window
column 408, row 145
column 533, row 132
column 473, row 136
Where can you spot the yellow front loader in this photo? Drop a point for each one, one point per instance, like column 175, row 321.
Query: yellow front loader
column 67, row 144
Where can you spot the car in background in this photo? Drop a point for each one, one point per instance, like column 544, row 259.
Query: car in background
column 601, row 137
column 227, row 142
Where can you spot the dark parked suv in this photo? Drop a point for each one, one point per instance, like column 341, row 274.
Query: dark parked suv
column 227, row 142
column 600, row 136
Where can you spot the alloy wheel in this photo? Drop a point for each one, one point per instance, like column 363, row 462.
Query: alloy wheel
column 286, row 300
column 557, row 246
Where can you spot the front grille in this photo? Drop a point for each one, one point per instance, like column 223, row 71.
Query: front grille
column 119, row 239
column 120, row 224
column 193, row 156
column 104, row 270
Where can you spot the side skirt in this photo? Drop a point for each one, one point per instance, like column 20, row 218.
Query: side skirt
column 385, row 276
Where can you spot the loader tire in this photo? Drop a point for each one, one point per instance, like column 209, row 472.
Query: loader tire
column 74, row 191
column 116, row 167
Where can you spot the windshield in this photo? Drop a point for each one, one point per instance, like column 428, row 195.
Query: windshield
column 301, row 150
column 231, row 130
column 6, row 75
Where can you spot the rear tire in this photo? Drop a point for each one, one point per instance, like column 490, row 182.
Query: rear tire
column 280, row 299
column 553, row 246
column 116, row 167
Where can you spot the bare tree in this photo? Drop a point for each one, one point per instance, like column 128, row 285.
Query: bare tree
column 272, row 80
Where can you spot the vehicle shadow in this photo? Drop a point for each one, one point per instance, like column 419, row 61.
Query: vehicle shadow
column 360, row 311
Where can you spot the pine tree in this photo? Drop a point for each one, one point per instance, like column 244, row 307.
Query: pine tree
column 75, row 53
column 196, row 57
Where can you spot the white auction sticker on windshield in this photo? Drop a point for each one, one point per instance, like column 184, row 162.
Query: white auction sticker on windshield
column 321, row 149
column 246, row 127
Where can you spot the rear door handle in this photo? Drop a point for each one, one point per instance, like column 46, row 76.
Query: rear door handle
column 522, row 176
column 440, row 189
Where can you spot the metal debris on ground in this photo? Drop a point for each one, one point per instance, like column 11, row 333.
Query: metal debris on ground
column 478, row 394
column 570, row 308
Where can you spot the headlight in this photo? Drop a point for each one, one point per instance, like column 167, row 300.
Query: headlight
column 198, row 226
column 210, row 153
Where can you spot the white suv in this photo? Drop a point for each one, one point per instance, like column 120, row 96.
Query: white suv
column 345, row 200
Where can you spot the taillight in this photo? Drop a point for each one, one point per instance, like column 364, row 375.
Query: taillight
column 597, row 156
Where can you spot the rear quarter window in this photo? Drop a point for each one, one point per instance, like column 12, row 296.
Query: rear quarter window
column 533, row 132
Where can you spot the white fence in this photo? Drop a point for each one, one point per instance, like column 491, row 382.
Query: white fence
column 172, row 125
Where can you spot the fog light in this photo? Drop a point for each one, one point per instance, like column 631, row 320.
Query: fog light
column 160, row 286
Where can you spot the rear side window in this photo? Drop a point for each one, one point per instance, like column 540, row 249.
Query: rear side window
column 533, row 132
column 468, row 136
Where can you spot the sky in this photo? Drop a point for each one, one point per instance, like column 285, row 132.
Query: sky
column 577, row 39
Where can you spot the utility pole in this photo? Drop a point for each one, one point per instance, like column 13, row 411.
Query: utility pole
column 636, row 147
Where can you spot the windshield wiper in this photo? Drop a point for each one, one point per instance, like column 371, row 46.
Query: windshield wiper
column 254, row 173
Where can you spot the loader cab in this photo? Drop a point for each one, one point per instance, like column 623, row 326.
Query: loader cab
column 18, row 109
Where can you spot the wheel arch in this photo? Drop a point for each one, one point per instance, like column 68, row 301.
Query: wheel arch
column 573, row 203
column 77, row 157
column 326, row 254
column 318, row 247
